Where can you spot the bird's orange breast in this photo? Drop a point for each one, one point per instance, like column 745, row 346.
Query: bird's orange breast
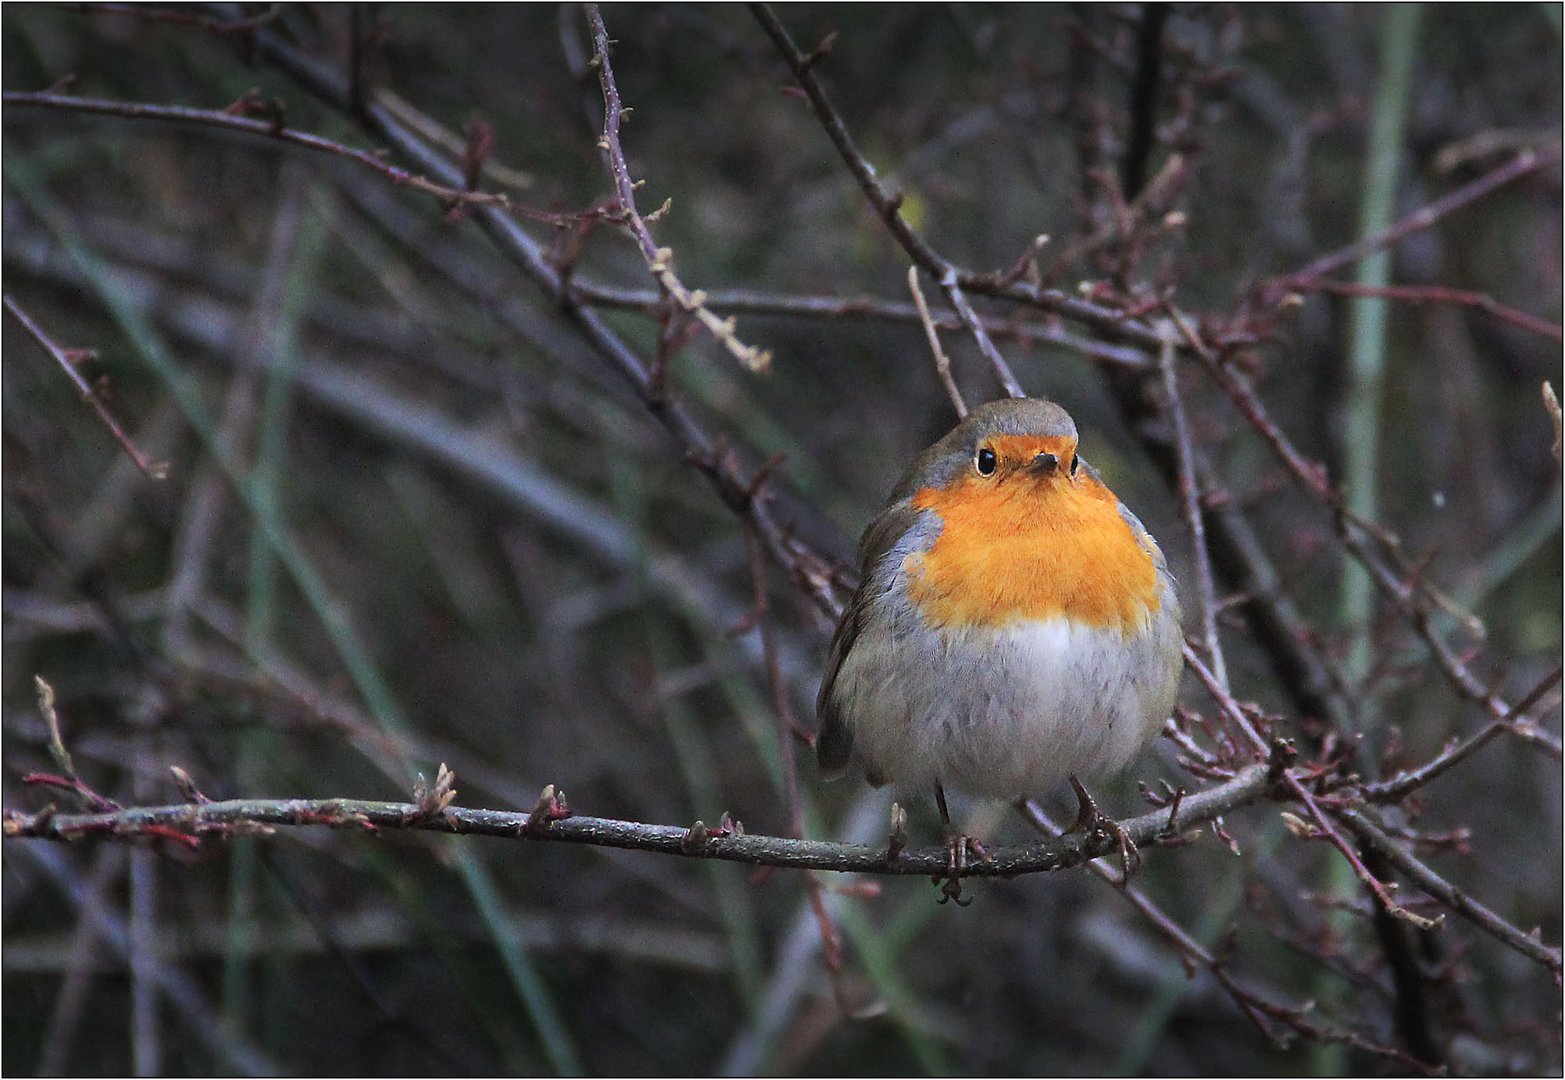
column 1032, row 548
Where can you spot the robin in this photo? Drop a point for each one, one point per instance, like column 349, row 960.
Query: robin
column 1015, row 624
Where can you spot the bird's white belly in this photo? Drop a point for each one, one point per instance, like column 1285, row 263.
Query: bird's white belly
column 1010, row 712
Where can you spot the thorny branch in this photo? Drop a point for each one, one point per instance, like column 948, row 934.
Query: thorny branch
column 660, row 260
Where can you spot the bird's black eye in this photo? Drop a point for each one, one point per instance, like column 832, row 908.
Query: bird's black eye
column 985, row 462
column 1075, row 463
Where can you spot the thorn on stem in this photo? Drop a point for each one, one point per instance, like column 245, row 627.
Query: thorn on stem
column 821, row 51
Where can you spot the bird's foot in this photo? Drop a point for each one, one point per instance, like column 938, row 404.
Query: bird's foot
column 958, row 845
column 960, row 849
column 1092, row 821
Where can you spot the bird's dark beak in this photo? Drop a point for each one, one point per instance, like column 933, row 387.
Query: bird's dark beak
column 1044, row 464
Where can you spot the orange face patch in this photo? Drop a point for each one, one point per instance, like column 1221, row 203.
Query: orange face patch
column 1022, row 544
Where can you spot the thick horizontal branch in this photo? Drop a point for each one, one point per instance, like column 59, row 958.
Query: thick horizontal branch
column 239, row 816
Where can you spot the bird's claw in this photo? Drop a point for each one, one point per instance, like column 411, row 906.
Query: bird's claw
column 1093, row 821
column 956, row 866
column 958, row 848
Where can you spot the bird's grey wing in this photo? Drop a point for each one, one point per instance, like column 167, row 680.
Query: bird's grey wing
column 1148, row 544
column 834, row 737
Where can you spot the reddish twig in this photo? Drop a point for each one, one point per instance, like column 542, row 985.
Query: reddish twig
column 1438, row 294
column 272, row 127
column 1422, row 218
column 66, row 359
column 97, row 803
column 782, row 713
column 1323, row 828
column 1226, row 701
column 1529, row 945
column 1459, row 751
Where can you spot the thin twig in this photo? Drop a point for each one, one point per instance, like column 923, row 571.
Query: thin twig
column 749, row 301
column 1410, row 780
column 782, row 714
column 57, row 750
column 950, row 281
column 1190, row 501
column 273, row 127
column 1438, row 294
column 1529, row 945
column 1422, row 218
column 942, row 361
column 660, row 260
column 152, row 470
column 1325, row 829
column 1225, row 700
column 888, row 207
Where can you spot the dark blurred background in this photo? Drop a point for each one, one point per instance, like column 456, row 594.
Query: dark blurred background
column 413, row 517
